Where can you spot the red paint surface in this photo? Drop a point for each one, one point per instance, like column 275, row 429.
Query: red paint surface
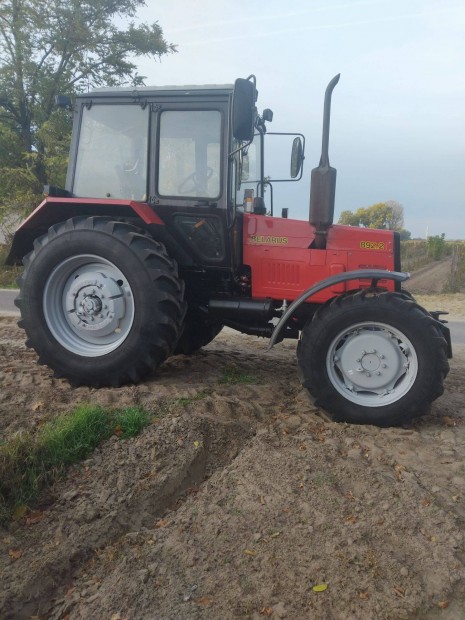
column 52, row 210
column 283, row 266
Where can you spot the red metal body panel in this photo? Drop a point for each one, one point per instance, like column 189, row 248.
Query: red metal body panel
column 283, row 265
column 53, row 210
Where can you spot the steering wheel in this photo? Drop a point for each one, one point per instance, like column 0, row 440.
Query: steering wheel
column 196, row 184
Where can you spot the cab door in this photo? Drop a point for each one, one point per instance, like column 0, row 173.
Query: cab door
column 188, row 187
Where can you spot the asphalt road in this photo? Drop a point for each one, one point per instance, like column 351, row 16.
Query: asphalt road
column 7, row 307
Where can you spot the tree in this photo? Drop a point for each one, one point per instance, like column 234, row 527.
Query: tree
column 62, row 46
column 389, row 214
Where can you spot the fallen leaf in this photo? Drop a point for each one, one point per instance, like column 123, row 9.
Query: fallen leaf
column 19, row 512
column 161, row 523
column 448, row 421
column 426, row 502
column 249, row 552
column 38, row 405
column 380, row 521
column 204, row 600
column 118, row 431
column 196, row 444
column 443, row 604
column 321, row 587
column 455, row 498
column 352, row 519
column 275, row 535
column 399, row 469
column 15, row 554
column 399, row 591
column 262, row 500
column 266, row 611
column 363, row 595
column 34, row 517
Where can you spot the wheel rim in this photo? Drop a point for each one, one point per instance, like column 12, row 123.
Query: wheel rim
column 88, row 305
column 372, row 364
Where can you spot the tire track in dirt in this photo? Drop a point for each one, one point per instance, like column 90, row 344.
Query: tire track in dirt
column 430, row 279
column 236, row 492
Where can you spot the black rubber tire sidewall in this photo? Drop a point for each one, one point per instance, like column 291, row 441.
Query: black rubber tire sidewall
column 155, row 327
column 390, row 309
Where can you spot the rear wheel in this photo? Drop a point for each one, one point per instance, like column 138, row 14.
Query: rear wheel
column 373, row 359
column 101, row 302
column 198, row 332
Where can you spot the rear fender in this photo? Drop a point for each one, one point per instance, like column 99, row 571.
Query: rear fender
column 360, row 274
column 53, row 210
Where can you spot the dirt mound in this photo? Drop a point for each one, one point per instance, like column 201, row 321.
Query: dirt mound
column 238, row 500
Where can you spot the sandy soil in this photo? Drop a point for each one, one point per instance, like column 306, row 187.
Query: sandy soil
column 237, row 500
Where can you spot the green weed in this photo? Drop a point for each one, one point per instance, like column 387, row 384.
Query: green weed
column 29, row 463
column 184, row 401
column 233, row 375
column 8, row 273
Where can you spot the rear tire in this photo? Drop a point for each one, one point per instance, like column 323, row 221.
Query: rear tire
column 101, row 301
column 198, row 332
column 373, row 359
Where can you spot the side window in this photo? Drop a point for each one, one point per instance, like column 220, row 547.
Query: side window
column 190, row 154
column 112, row 152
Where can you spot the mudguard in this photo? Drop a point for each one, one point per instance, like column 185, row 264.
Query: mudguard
column 360, row 274
column 53, row 210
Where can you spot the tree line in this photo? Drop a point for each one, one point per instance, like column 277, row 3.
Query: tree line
column 51, row 47
column 388, row 215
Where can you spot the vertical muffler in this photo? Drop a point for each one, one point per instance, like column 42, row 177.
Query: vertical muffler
column 323, row 180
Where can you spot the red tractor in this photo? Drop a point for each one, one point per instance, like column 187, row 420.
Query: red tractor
column 162, row 237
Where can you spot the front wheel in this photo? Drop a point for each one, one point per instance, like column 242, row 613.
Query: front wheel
column 101, row 301
column 373, row 359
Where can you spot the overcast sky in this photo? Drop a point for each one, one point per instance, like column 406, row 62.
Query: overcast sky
column 398, row 112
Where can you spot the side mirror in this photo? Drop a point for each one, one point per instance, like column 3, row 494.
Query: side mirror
column 243, row 109
column 297, row 157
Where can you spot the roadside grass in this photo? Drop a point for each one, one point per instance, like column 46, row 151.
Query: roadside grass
column 233, row 375
column 31, row 462
column 8, row 273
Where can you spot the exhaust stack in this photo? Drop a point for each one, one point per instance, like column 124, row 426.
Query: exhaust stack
column 323, row 180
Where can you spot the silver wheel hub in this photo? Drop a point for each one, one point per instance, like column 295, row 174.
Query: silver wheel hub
column 372, row 364
column 88, row 305
column 94, row 304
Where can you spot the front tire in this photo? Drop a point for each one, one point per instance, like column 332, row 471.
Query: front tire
column 101, row 301
column 373, row 359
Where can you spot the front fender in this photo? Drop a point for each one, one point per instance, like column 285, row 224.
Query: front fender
column 360, row 274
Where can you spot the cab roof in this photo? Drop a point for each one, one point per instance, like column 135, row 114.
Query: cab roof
column 146, row 91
